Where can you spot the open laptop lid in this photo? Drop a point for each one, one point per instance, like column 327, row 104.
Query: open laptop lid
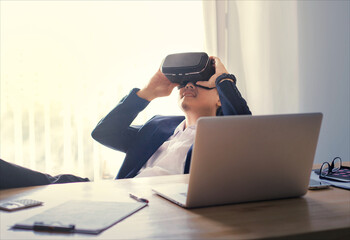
column 251, row 158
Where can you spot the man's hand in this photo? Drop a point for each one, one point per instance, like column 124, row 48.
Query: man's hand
column 219, row 69
column 158, row 86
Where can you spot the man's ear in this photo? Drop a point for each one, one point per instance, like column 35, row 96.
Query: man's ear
column 218, row 103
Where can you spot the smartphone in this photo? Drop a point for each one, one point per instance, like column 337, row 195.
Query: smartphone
column 19, row 204
column 314, row 185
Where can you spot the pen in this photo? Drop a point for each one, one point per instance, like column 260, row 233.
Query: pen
column 40, row 226
column 144, row 200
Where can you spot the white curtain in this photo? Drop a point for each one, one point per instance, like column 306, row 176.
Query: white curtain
column 257, row 41
column 214, row 13
column 288, row 57
column 66, row 64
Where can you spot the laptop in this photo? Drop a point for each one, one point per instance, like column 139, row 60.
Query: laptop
column 239, row 159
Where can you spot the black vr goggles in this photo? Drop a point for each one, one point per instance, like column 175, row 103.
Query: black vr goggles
column 183, row 68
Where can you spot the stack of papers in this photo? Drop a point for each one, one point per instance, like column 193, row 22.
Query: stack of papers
column 344, row 185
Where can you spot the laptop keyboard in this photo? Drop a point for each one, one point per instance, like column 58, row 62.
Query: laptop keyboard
column 184, row 193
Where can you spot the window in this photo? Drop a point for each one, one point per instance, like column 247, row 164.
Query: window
column 65, row 65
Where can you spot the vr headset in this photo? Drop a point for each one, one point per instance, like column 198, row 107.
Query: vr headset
column 182, row 68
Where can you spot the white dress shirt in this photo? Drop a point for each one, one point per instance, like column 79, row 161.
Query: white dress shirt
column 170, row 157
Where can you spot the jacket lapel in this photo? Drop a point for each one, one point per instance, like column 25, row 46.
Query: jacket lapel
column 188, row 160
column 151, row 136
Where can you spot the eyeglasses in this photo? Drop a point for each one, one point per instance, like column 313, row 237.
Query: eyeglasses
column 328, row 169
column 183, row 84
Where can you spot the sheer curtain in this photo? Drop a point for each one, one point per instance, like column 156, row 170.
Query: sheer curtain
column 257, row 40
column 289, row 57
column 66, row 64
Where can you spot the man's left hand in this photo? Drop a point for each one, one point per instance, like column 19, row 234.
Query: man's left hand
column 219, row 69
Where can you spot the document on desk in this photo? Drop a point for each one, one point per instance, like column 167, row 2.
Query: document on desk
column 90, row 217
column 344, row 185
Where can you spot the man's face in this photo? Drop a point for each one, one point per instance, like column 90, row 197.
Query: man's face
column 200, row 101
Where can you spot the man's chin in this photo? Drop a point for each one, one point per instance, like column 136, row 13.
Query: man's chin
column 184, row 105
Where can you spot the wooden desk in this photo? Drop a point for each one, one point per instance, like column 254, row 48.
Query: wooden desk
column 321, row 214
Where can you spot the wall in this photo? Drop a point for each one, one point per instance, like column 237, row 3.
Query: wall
column 324, row 72
column 293, row 56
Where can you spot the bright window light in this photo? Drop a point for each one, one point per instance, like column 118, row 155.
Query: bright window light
column 66, row 64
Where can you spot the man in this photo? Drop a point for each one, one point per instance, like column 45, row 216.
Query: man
column 163, row 145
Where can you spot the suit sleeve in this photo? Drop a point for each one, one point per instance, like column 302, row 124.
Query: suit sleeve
column 114, row 130
column 232, row 102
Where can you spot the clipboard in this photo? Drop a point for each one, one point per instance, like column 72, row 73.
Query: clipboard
column 89, row 217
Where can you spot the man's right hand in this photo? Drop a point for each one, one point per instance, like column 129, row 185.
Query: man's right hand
column 158, row 86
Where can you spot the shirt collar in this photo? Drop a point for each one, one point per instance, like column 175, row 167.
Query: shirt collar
column 181, row 126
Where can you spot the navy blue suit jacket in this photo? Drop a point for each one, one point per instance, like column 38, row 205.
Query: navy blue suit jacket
column 140, row 142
